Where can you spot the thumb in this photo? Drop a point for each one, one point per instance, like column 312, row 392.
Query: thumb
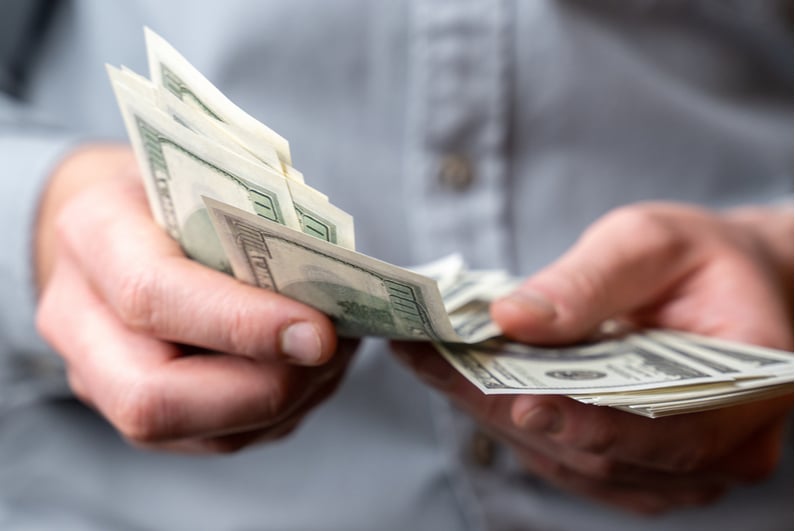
column 625, row 261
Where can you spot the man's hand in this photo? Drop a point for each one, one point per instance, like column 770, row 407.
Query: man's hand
column 177, row 356
column 651, row 265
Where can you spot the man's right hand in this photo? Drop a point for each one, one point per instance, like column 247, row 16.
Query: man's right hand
column 175, row 355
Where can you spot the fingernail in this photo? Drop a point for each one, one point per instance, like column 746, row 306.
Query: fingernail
column 533, row 301
column 541, row 419
column 301, row 343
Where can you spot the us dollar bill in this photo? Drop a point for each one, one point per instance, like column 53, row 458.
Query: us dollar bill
column 175, row 182
column 179, row 167
column 171, row 71
column 731, row 356
column 362, row 295
column 636, row 373
column 321, row 219
column 500, row 366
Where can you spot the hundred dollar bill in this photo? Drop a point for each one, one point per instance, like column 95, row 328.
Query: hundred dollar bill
column 175, row 195
column 179, row 167
column 660, row 405
column 473, row 321
column 500, row 366
column 171, row 71
column 697, row 405
column 685, row 396
column 484, row 286
column 321, row 219
column 187, row 115
column 362, row 295
column 445, row 271
column 756, row 373
column 195, row 119
column 742, row 359
column 135, row 87
column 316, row 215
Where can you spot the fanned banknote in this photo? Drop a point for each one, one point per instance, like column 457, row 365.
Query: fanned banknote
column 363, row 295
column 185, row 154
column 172, row 73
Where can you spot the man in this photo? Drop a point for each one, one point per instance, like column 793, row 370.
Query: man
column 500, row 130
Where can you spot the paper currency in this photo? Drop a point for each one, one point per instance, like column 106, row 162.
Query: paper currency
column 636, row 372
column 179, row 166
column 173, row 73
column 223, row 185
column 625, row 364
column 185, row 154
column 363, row 296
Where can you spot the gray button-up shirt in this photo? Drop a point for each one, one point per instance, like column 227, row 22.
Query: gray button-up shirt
column 495, row 128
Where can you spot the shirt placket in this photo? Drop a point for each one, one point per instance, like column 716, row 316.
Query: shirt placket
column 456, row 178
column 459, row 71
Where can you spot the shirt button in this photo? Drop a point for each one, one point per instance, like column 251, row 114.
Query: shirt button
column 483, row 449
column 455, row 172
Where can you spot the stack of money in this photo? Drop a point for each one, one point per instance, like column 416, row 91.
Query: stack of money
column 223, row 185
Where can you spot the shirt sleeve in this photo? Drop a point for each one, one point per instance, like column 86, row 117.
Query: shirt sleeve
column 30, row 147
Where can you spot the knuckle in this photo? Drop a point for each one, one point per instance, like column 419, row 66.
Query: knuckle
column 602, row 441
column 600, row 438
column 692, row 457
column 636, row 215
column 142, row 415
column 601, row 469
column 136, row 303
column 277, row 398
column 80, row 215
column 589, row 284
column 544, row 466
column 647, row 225
column 551, row 469
column 247, row 334
column 280, row 399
